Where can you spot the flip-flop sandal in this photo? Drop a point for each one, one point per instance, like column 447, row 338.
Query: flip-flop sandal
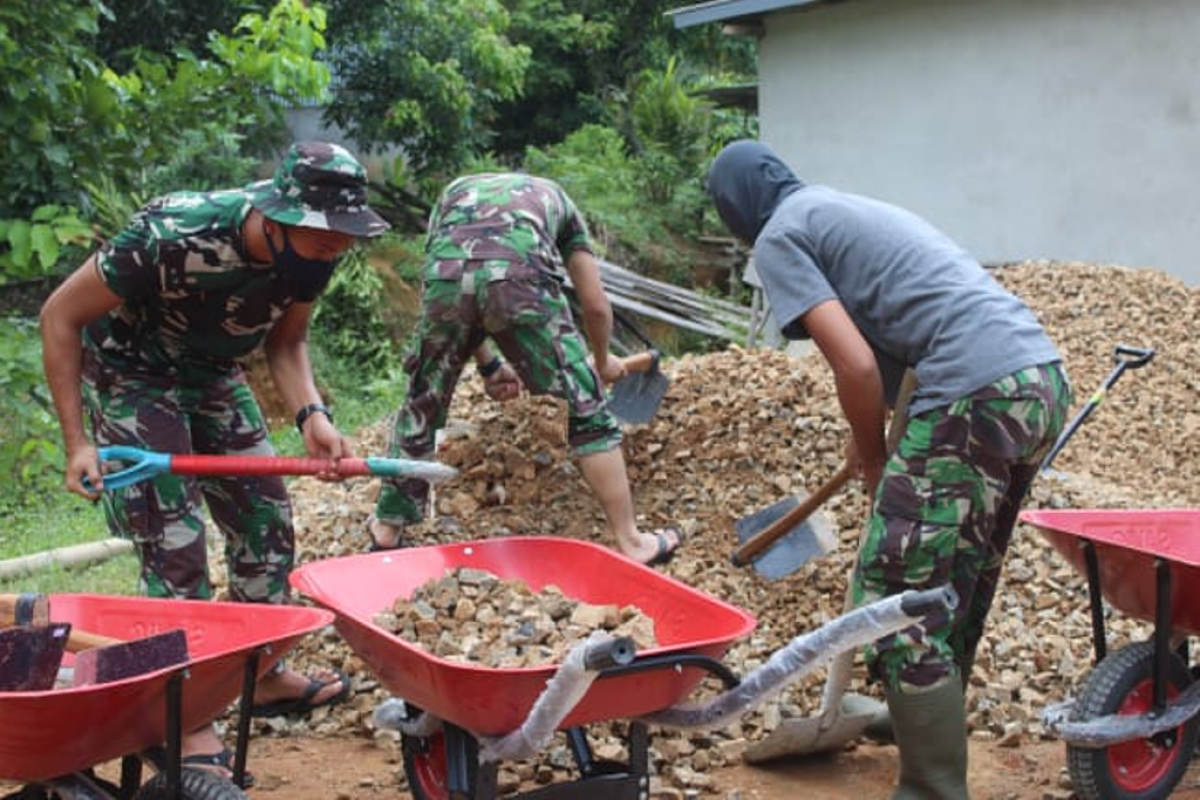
column 220, row 763
column 665, row 551
column 305, row 703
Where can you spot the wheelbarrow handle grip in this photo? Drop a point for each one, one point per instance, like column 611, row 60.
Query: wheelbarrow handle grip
column 610, row 653
column 146, row 464
column 923, row 602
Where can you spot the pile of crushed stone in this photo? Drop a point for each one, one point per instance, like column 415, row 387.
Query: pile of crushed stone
column 740, row 429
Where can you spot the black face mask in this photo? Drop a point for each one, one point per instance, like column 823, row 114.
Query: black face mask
column 306, row 277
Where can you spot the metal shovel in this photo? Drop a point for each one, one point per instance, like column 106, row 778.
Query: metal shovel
column 842, row 719
column 636, row 397
column 781, row 538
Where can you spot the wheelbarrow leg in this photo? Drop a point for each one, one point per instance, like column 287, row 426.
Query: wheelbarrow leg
column 174, row 770
column 241, row 747
column 131, row 776
column 1162, row 630
column 462, row 752
column 1095, row 601
column 639, row 753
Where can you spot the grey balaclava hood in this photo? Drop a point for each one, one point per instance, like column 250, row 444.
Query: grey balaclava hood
column 747, row 182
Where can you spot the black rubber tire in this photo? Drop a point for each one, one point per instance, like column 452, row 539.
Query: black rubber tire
column 1144, row 769
column 39, row 792
column 195, row 784
column 426, row 764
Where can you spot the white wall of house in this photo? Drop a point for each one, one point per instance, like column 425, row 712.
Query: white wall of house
column 1060, row 129
column 305, row 123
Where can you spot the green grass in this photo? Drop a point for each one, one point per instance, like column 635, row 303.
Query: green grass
column 65, row 521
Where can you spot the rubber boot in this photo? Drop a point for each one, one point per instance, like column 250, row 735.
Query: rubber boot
column 931, row 732
column 879, row 729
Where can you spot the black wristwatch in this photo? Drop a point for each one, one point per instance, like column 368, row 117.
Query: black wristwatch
column 489, row 369
column 312, row 408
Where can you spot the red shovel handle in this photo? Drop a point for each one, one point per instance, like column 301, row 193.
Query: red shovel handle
column 188, row 464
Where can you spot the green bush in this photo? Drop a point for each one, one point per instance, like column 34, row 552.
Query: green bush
column 30, row 453
column 353, row 349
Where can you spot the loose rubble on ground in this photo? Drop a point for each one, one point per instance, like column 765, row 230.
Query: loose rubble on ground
column 741, row 429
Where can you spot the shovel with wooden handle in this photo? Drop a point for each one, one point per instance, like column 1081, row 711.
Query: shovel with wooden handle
column 842, row 718
column 781, row 538
column 635, row 398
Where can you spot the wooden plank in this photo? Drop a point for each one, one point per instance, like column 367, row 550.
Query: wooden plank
column 675, row 305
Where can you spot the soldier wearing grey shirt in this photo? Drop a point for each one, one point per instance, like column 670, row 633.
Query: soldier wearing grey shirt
column 881, row 291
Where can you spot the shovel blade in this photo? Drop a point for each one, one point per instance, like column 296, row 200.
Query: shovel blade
column 827, row 732
column 123, row 660
column 812, row 538
column 30, row 656
column 635, row 398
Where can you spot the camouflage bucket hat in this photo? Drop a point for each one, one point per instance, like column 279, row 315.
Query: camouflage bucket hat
column 318, row 185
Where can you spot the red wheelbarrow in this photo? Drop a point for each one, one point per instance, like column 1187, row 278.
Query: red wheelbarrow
column 51, row 740
column 460, row 719
column 1132, row 729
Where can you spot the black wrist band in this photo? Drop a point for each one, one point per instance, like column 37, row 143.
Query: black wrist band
column 312, row 408
column 489, row 369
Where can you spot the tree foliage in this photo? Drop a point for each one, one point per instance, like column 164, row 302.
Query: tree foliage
column 585, row 50
column 165, row 27
column 68, row 119
column 425, row 75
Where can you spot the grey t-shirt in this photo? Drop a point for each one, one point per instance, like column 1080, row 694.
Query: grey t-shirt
column 917, row 297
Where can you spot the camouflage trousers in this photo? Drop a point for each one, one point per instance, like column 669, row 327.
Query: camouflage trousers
column 529, row 320
column 164, row 516
column 944, row 514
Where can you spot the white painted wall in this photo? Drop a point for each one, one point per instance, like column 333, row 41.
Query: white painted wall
column 1063, row 129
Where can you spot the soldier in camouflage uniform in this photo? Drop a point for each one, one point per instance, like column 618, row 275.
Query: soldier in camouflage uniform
column 146, row 338
column 880, row 291
column 498, row 249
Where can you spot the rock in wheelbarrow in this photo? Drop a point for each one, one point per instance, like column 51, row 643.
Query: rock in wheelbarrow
column 30, row 656
column 116, row 660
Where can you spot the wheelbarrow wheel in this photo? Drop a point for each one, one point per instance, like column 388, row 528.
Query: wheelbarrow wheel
column 428, row 761
column 1142, row 769
column 194, row 784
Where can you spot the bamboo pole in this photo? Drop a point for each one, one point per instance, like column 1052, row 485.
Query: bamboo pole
column 76, row 555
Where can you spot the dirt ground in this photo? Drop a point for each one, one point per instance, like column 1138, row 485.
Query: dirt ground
column 350, row 768
column 347, row 768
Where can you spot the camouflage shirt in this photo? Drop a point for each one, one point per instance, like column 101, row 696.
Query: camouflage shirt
column 508, row 217
column 192, row 298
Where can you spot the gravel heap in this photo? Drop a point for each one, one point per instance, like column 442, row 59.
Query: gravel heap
column 741, row 429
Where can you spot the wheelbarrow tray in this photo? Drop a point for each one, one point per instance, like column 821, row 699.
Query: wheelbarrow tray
column 493, row 701
column 1127, row 544
column 45, row 734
